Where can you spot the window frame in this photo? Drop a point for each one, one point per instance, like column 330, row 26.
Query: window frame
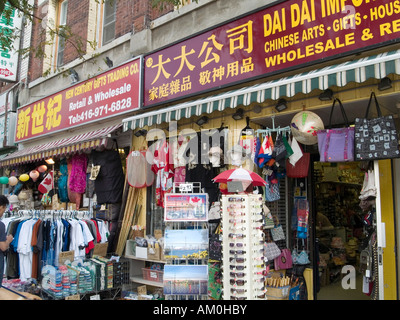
column 62, row 14
column 111, row 23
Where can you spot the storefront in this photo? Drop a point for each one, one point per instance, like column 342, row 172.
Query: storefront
column 65, row 184
column 326, row 232
column 216, row 175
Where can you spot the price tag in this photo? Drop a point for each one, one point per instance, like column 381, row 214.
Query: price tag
column 186, row 187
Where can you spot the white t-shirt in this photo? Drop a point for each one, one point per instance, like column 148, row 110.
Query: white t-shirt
column 24, row 249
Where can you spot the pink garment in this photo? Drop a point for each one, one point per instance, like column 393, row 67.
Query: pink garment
column 77, row 178
column 180, row 174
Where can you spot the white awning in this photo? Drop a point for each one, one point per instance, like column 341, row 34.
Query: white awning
column 377, row 66
column 80, row 142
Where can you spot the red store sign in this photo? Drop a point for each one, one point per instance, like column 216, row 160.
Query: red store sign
column 278, row 38
column 109, row 94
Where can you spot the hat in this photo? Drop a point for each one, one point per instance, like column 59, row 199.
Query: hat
column 236, row 155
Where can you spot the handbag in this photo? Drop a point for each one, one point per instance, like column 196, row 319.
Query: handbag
column 215, row 211
column 375, row 138
column 336, row 145
column 300, row 258
column 215, row 247
column 272, row 191
column 277, row 231
column 268, row 219
column 301, row 166
column 284, row 261
column 279, row 153
column 271, row 250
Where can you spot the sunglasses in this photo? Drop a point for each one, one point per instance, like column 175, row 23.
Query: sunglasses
column 234, row 213
column 237, row 298
column 240, row 268
column 233, row 228
column 238, row 260
column 237, row 282
column 236, row 235
column 239, row 244
column 237, row 274
column 236, row 206
column 237, row 251
column 236, row 199
column 240, row 291
column 264, row 272
column 237, row 221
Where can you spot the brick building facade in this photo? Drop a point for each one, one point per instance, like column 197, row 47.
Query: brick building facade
column 83, row 22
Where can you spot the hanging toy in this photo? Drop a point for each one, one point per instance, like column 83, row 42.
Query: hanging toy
column 34, row 174
column 24, row 177
column 12, row 181
column 4, row 180
column 42, row 168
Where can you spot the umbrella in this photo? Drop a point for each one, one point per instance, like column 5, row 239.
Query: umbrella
column 240, row 174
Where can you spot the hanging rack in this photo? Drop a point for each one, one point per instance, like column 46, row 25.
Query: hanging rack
column 53, row 213
column 268, row 131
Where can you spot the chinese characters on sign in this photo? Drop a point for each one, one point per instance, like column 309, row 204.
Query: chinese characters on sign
column 281, row 37
column 209, row 56
column 9, row 59
column 109, row 94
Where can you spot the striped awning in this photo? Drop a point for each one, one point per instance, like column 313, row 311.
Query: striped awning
column 377, row 66
column 61, row 147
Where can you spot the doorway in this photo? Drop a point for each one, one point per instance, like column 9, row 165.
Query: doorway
column 343, row 231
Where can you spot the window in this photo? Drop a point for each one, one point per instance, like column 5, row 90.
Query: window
column 62, row 21
column 109, row 10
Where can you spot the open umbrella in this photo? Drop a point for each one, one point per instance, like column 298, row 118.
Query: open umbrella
column 240, row 174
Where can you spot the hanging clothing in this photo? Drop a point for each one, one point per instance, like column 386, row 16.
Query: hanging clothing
column 12, row 255
column 3, row 237
column 178, row 148
column 77, row 179
column 109, row 183
column 247, row 142
column 24, row 249
column 39, row 241
column 35, row 250
column 163, row 170
column 204, row 174
column 63, row 181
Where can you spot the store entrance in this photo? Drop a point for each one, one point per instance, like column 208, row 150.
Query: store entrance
column 341, row 231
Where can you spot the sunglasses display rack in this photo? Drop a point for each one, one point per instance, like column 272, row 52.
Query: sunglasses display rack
column 186, row 245
column 242, row 247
